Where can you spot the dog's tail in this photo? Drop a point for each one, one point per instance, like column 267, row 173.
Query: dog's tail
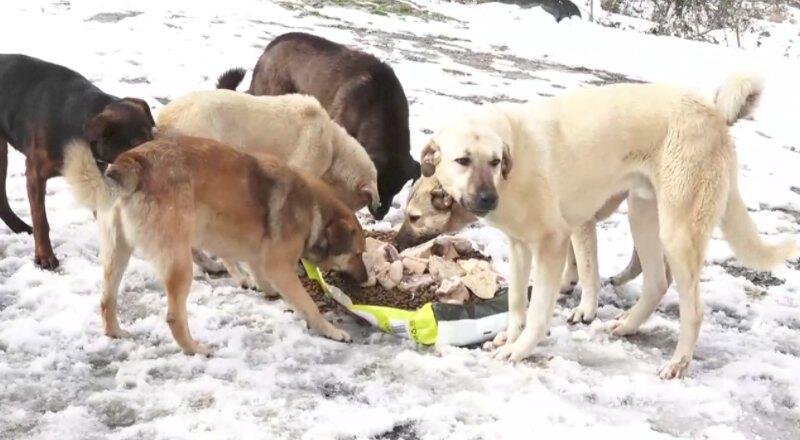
column 738, row 96
column 84, row 178
column 741, row 234
column 231, row 78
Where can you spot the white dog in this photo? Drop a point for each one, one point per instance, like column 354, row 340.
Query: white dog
column 541, row 170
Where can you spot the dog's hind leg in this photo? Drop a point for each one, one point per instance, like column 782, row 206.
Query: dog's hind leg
column 584, row 242
column 206, row 263
column 114, row 253
column 685, row 234
column 633, row 270
column 6, row 214
column 176, row 272
column 570, row 276
column 643, row 214
column 244, row 277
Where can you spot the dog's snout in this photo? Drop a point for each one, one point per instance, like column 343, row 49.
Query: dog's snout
column 358, row 270
column 487, row 200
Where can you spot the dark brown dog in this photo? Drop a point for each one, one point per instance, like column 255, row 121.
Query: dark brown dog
column 361, row 93
column 43, row 106
column 176, row 194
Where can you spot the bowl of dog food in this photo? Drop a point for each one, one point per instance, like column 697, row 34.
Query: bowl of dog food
column 421, row 292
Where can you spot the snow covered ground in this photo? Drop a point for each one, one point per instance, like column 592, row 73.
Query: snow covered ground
column 60, row 378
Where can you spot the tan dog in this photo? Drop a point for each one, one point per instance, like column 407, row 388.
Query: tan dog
column 542, row 169
column 170, row 195
column 294, row 128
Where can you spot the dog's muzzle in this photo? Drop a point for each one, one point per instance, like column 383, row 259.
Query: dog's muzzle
column 481, row 203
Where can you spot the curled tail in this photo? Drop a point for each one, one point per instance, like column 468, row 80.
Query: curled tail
column 738, row 96
column 84, row 178
column 231, row 78
column 741, row 234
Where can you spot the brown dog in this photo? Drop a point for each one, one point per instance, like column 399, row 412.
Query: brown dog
column 170, row 195
column 360, row 92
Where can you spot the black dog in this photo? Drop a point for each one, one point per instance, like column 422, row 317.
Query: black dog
column 44, row 106
column 360, row 92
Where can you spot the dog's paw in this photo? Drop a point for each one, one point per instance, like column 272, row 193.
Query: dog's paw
column 19, row 227
column 117, row 333
column 271, row 292
column 623, row 326
column 498, row 341
column 46, row 261
column 583, row 313
column 675, row 368
column 514, row 352
column 567, row 287
column 198, row 349
column 338, row 335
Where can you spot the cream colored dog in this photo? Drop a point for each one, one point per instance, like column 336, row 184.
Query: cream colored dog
column 294, row 128
column 542, row 169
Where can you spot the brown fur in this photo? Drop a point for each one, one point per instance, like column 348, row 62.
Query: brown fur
column 176, row 194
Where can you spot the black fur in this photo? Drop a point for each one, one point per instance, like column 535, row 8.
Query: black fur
column 361, row 93
column 231, row 78
column 43, row 106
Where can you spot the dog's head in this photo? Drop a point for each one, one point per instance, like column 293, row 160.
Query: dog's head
column 470, row 160
column 392, row 177
column 122, row 125
column 430, row 212
column 339, row 246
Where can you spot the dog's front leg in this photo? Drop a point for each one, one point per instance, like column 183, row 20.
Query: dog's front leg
column 549, row 254
column 520, row 259
column 285, row 280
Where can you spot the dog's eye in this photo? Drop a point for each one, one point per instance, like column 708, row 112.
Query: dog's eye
column 464, row 161
column 494, row 162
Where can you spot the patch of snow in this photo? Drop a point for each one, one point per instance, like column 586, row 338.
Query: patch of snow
column 270, row 377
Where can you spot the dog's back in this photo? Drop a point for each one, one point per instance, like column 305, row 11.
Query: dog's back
column 37, row 92
column 224, row 191
column 358, row 90
column 295, row 128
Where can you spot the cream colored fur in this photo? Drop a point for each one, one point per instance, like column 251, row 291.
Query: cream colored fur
column 294, row 128
column 84, row 178
column 668, row 147
column 738, row 96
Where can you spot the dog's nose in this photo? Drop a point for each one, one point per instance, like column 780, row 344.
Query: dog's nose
column 487, row 200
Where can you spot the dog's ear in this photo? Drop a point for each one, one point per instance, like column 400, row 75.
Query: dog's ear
column 506, row 162
column 413, row 169
column 141, row 103
column 339, row 237
column 440, row 199
column 99, row 127
column 431, row 156
column 370, row 193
